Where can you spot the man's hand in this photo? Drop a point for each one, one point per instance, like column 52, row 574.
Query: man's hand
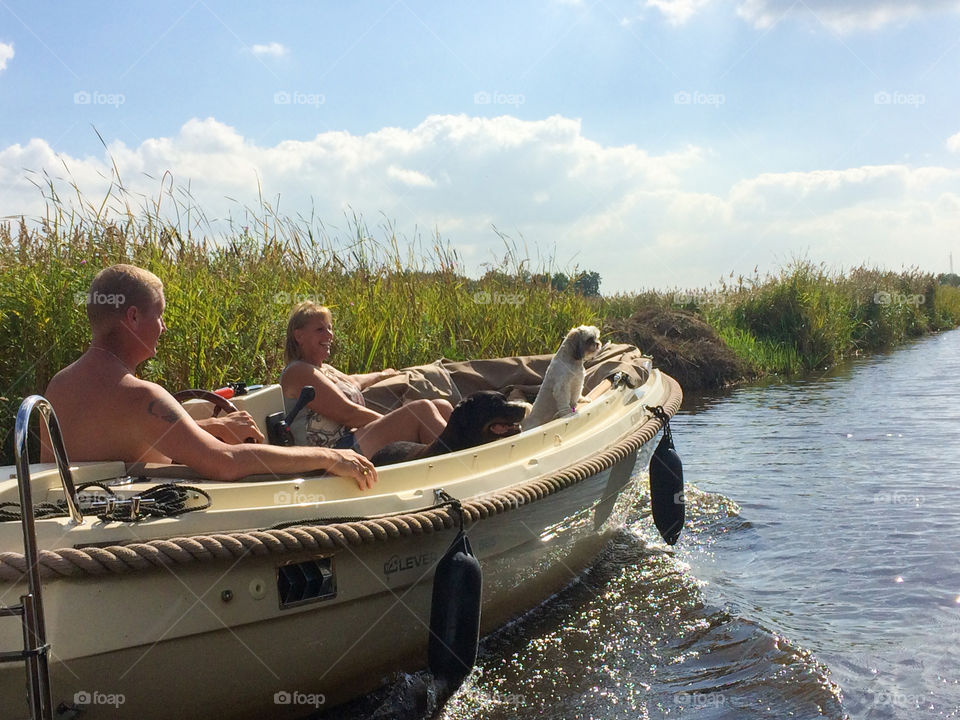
column 355, row 465
column 233, row 429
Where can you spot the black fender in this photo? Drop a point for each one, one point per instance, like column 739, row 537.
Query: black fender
column 455, row 614
column 666, row 488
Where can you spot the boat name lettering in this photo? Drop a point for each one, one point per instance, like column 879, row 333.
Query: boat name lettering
column 410, row 562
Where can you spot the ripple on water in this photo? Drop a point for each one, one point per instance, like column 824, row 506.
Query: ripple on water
column 634, row 639
column 631, row 638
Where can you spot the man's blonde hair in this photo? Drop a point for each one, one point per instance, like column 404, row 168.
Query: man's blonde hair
column 301, row 314
column 117, row 288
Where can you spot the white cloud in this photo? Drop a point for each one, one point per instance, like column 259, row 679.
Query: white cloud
column 677, row 12
column 409, row 177
column 273, row 49
column 6, row 54
column 841, row 15
column 630, row 215
column 953, row 143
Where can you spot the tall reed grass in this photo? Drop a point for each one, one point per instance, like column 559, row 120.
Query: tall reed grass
column 396, row 301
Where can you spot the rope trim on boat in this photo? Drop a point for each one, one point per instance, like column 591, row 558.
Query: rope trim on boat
column 120, row 559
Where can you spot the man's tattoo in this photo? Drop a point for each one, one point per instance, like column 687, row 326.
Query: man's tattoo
column 161, row 412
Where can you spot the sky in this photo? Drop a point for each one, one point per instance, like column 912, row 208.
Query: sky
column 660, row 143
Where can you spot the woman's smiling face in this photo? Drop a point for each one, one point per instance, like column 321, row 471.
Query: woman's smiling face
column 315, row 339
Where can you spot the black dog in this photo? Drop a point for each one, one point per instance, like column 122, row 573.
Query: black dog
column 483, row 417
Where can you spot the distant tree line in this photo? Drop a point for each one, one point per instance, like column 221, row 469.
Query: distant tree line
column 585, row 283
column 949, row 279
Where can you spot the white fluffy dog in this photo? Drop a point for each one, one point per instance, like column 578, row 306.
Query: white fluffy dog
column 563, row 382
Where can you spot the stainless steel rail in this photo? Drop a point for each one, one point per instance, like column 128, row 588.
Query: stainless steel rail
column 30, row 609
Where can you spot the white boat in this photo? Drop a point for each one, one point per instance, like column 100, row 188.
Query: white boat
column 290, row 595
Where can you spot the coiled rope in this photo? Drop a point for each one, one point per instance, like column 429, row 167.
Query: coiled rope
column 165, row 500
column 326, row 535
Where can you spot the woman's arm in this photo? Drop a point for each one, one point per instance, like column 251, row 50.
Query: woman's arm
column 329, row 401
column 365, row 380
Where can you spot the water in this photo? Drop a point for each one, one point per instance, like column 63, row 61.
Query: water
column 818, row 574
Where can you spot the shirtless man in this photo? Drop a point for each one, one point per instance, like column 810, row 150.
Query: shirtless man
column 107, row 413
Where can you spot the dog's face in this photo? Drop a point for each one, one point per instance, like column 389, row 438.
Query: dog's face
column 484, row 417
column 582, row 343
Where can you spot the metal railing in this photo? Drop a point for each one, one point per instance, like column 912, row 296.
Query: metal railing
column 30, row 609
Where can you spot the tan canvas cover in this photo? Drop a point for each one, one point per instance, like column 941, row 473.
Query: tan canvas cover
column 457, row 380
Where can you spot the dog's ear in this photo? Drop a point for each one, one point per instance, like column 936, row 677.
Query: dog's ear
column 461, row 414
column 580, row 345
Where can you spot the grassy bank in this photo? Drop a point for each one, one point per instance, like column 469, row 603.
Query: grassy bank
column 802, row 319
column 399, row 303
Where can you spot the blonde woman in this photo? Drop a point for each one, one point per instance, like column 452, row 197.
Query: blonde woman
column 337, row 417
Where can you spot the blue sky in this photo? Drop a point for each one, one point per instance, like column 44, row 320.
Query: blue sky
column 660, row 142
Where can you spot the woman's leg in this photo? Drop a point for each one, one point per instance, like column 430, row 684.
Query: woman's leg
column 419, row 421
column 445, row 408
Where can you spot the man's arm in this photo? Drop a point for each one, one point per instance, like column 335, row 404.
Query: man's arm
column 168, row 428
column 233, row 429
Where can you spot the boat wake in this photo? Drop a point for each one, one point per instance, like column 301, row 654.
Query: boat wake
column 632, row 637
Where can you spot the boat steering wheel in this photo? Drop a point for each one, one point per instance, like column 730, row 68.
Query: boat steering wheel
column 220, row 404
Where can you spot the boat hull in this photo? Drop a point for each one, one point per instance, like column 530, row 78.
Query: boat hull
column 222, row 637
column 291, row 664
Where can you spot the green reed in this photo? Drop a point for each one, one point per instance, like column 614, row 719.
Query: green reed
column 396, row 301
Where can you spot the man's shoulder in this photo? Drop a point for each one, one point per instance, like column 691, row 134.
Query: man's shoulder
column 62, row 378
column 145, row 393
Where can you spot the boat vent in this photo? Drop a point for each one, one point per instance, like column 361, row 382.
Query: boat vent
column 305, row 582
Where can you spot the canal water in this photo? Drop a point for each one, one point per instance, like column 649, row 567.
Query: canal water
column 818, row 574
